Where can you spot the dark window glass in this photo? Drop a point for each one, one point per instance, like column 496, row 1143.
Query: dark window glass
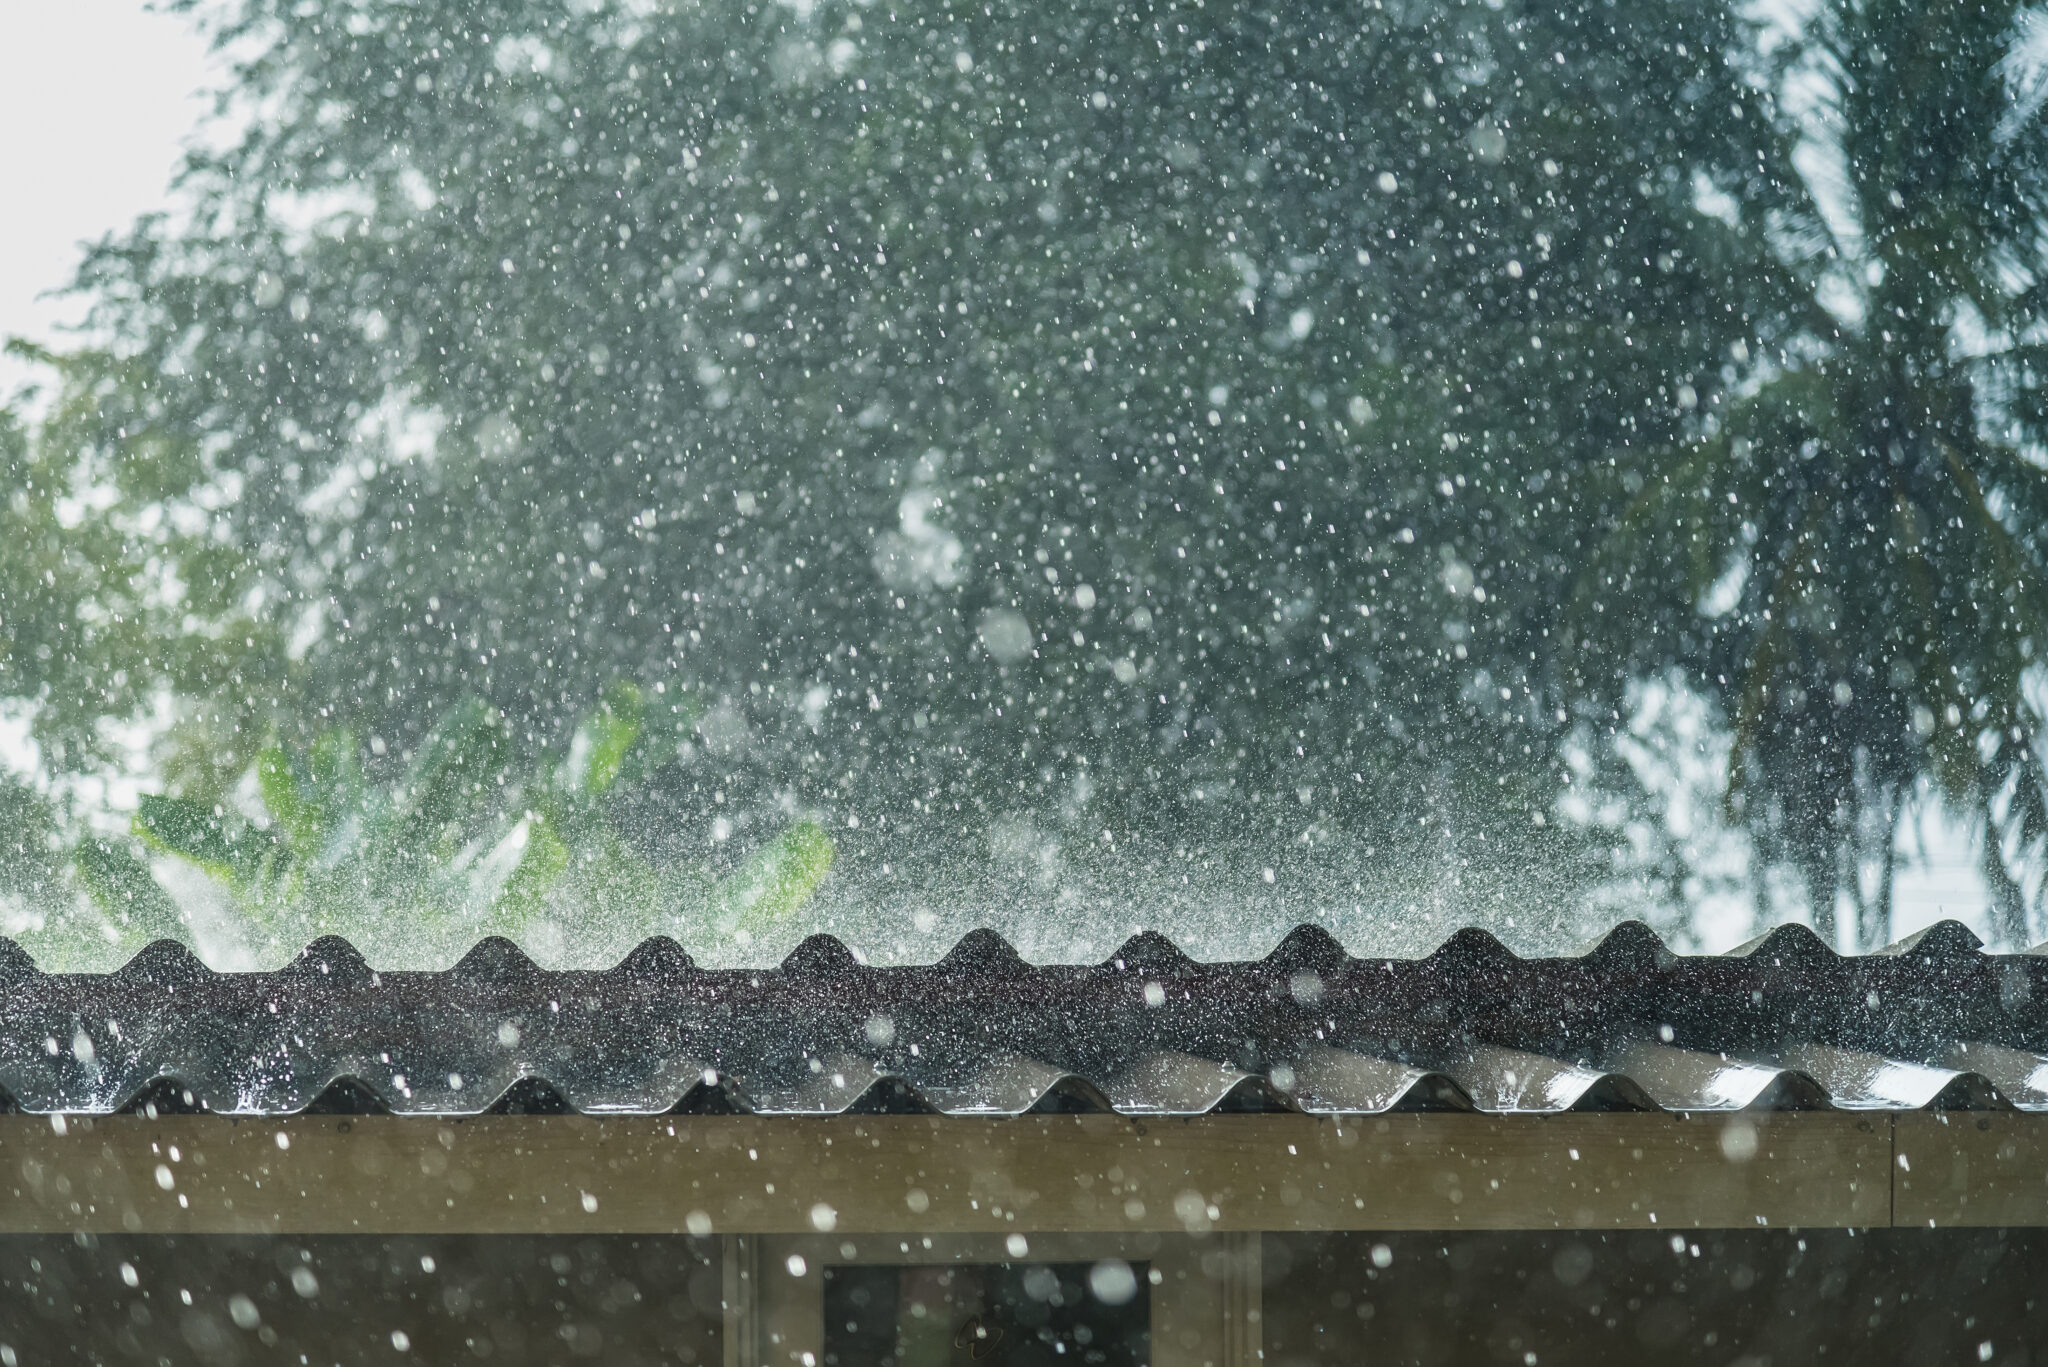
column 1027, row 1314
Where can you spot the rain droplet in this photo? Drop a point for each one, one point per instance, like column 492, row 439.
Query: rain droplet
column 1112, row 1281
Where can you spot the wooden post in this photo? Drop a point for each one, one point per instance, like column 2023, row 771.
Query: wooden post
column 1244, row 1302
column 740, row 1269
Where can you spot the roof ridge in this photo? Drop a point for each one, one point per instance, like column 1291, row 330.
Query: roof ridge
column 984, row 949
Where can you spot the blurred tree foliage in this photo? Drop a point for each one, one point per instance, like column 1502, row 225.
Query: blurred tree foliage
column 461, row 845
column 1246, row 425
column 1872, row 498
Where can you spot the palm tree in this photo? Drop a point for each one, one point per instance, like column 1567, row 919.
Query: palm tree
column 1877, row 468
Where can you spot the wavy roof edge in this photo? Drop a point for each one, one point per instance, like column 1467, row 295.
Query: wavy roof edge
column 1065, row 1093
column 985, row 951
column 1781, row 1023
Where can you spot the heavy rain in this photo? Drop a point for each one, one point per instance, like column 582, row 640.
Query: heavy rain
column 831, row 683
column 736, row 470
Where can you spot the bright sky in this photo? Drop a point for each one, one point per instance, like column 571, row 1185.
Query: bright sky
column 96, row 97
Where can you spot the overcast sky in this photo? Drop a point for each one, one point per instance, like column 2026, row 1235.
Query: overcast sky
column 96, row 97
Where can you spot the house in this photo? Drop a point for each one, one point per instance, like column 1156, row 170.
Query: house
column 1310, row 1157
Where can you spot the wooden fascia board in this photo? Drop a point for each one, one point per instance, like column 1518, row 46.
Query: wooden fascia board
column 1970, row 1168
column 878, row 1174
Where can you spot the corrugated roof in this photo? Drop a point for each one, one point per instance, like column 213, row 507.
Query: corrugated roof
column 1783, row 1022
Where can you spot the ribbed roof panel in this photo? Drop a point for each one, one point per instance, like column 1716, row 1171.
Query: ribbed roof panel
column 1782, row 1022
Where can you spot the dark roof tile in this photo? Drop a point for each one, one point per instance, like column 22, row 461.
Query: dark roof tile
column 330, row 959
column 984, row 953
column 1942, row 940
column 496, row 960
column 820, row 956
column 1784, row 1023
column 164, row 963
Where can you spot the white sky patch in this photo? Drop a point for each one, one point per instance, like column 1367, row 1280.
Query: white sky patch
column 98, row 97
column 19, row 753
column 1724, row 595
column 2025, row 69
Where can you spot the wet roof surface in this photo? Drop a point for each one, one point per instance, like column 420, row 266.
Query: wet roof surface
column 1782, row 1022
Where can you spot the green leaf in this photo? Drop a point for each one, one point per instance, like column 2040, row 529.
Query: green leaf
column 189, row 831
column 287, row 798
column 776, row 882
column 337, row 775
column 603, row 741
column 464, row 749
column 541, row 867
column 120, row 887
